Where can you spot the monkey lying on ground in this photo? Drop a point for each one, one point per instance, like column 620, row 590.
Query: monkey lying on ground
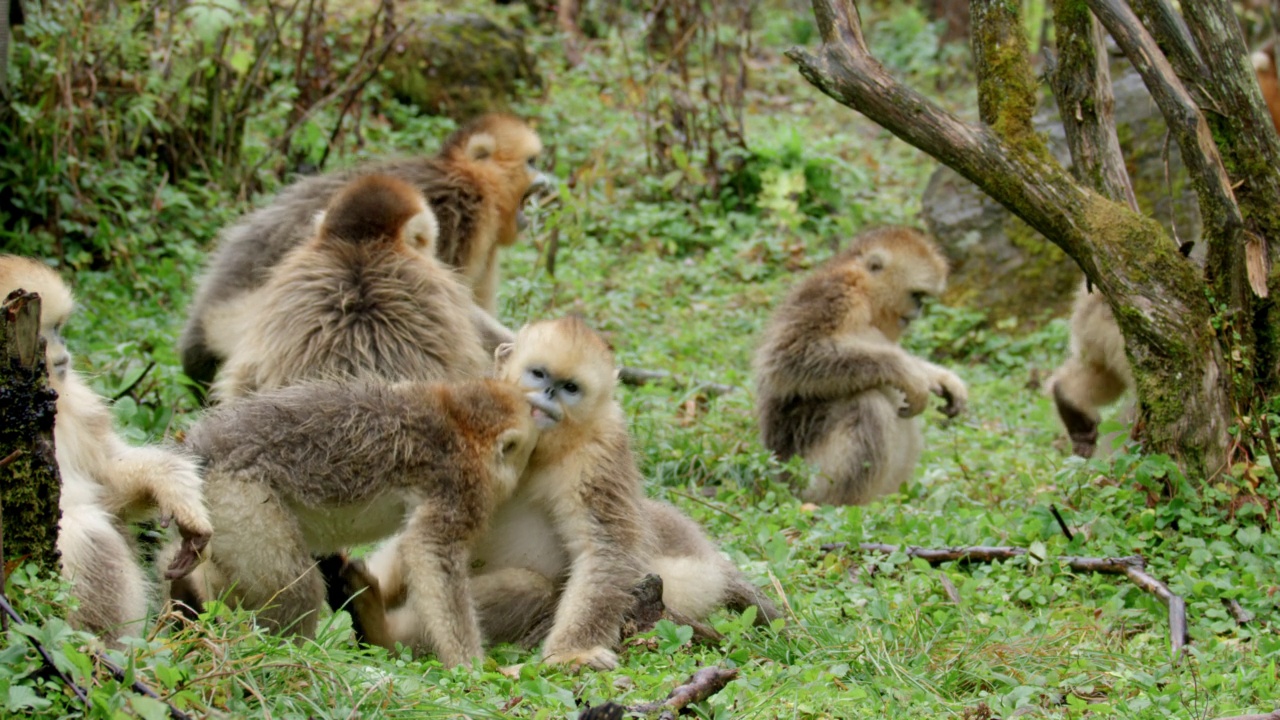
column 832, row 383
column 316, row 467
column 363, row 297
column 562, row 555
column 106, row 483
column 476, row 184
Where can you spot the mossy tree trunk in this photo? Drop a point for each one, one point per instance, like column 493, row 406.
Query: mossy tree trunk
column 1194, row 336
column 29, row 484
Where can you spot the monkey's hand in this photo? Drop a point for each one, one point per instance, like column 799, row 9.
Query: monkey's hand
column 915, row 390
column 596, row 658
column 190, row 554
column 948, row 386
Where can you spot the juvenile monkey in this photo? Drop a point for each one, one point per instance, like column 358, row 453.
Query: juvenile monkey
column 316, row 467
column 832, row 383
column 106, row 483
column 476, row 184
column 363, row 297
column 562, row 555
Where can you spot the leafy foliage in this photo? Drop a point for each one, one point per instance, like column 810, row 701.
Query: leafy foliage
column 682, row 282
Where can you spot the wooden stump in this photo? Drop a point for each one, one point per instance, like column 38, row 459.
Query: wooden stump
column 29, row 481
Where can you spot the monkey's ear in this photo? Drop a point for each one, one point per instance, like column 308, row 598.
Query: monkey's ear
column 502, row 353
column 481, row 146
column 421, row 231
column 875, row 262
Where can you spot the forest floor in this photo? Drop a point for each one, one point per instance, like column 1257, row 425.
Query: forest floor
column 685, row 285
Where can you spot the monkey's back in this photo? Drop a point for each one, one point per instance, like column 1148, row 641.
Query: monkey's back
column 344, row 310
column 330, row 444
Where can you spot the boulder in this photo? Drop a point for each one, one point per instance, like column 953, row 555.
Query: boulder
column 1001, row 265
column 460, row 66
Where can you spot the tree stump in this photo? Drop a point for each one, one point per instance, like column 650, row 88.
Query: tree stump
column 29, row 480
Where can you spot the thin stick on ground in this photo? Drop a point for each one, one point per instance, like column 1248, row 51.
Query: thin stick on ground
column 43, row 652
column 701, row 685
column 637, row 377
column 1133, row 567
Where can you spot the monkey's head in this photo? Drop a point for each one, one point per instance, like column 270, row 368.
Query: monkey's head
column 499, row 153
column 380, row 208
column 56, row 304
column 497, row 417
column 565, row 363
column 899, row 267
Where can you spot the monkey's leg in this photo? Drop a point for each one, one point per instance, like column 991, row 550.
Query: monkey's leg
column 515, row 605
column 350, row 586
column 853, row 459
column 589, row 616
column 105, row 576
column 433, row 553
column 1079, row 389
column 262, row 561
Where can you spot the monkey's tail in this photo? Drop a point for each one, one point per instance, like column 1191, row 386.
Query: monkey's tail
column 741, row 594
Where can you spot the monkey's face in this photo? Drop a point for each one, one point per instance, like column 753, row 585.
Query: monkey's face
column 504, row 153
column 566, row 366
column 901, row 271
column 56, row 304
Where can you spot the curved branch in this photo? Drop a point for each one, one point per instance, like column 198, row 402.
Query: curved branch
column 1086, row 104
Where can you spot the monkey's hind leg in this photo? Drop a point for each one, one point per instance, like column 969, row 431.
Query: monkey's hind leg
column 433, row 553
column 1079, row 388
column 261, row 559
column 515, row 605
column 868, row 452
column 350, row 586
column 105, row 575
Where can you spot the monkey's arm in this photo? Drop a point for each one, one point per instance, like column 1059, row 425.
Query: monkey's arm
column 433, row 551
column 831, row 367
column 603, row 541
column 492, row 332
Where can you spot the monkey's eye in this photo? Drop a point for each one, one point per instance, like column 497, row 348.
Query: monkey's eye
column 571, row 387
column 538, row 373
column 532, row 161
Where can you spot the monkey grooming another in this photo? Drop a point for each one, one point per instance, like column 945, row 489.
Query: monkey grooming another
column 562, row 555
column 476, row 184
column 359, row 299
column 834, row 386
column 317, row 467
column 106, row 483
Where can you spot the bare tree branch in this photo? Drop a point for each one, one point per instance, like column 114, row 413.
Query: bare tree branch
column 1133, row 567
column 1171, row 33
column 1082, row 87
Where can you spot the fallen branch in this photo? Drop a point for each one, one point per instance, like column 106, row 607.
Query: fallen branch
column 1265, row 716
column 1242, row 616
column 638, row 377
column 1133, row 567
column 701, row 685
column 116, row 671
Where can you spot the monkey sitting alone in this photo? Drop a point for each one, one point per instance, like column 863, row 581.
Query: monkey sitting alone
column 106, row 483
column 317, row 467
column 832, row 383
column 363, row 297
column 562, row 555
column 476, row 184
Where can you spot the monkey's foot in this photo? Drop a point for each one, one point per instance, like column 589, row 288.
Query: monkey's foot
column 596, row 658
column 189, row 555
column 1082, row 427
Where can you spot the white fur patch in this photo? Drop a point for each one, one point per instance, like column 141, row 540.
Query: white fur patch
column 691, row 586
column 1261, row 61
column 422, row 230
column 481, row 146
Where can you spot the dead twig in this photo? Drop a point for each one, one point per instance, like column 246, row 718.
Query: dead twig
column 11, row 457
column 1265, row 716
column 637, row 377
column 701, row 685
column 43, row 652
column 135, row 383
column 1242, row 616
column 1061, row 523
column 1133, row 567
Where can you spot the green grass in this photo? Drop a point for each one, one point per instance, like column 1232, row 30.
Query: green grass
column 686, row 286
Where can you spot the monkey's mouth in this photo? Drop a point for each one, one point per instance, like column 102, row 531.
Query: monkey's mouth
column 545, row 413
column 541, row 189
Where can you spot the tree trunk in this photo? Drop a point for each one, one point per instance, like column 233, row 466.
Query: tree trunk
column 29, row 484
column 1188, row 391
